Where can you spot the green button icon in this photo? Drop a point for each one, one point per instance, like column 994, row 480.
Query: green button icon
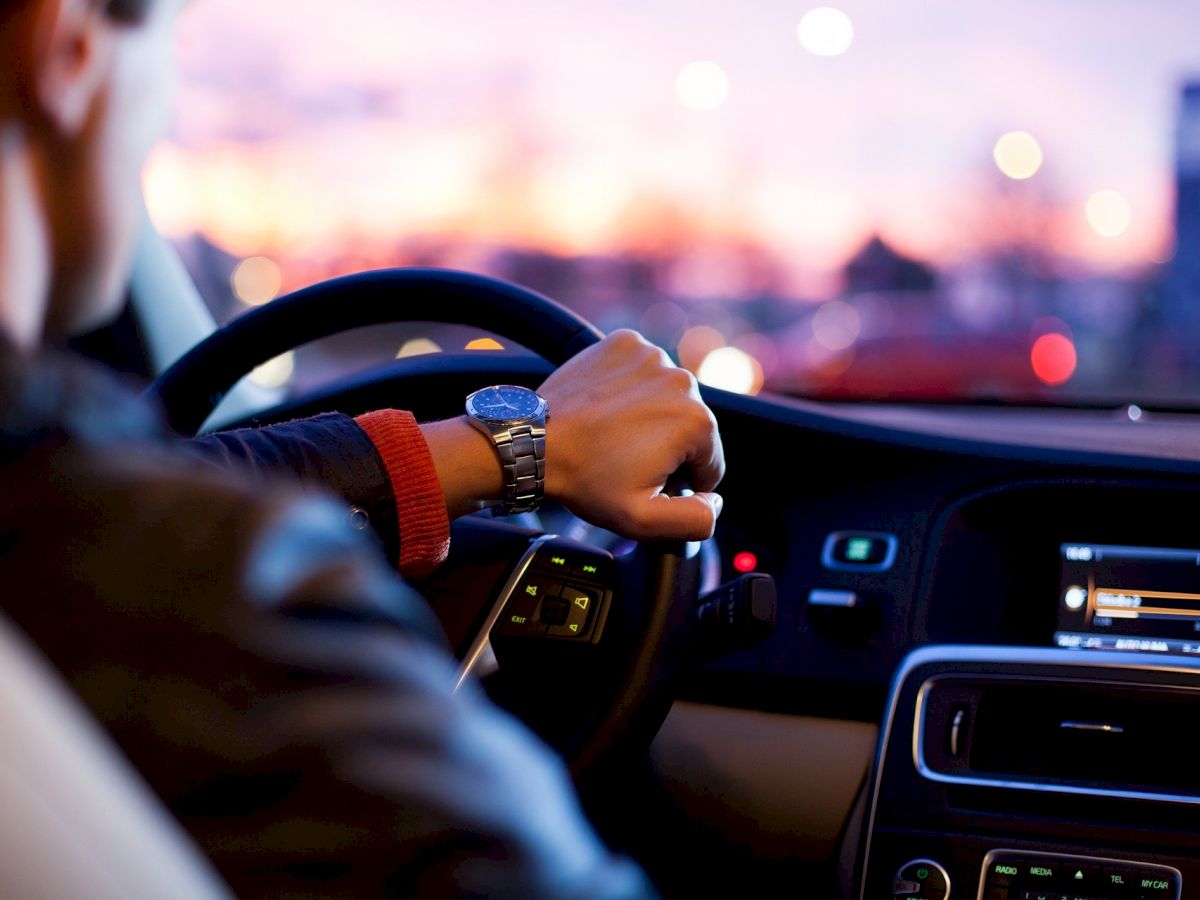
column 922, row 873
column 858, row 549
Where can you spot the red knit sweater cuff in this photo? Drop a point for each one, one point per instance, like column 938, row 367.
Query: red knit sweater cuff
column 424, row 525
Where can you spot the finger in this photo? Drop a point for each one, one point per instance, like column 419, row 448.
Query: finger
column 664, row 518
column 706, row 460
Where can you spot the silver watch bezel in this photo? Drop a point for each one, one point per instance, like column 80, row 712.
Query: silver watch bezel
column 534, row 417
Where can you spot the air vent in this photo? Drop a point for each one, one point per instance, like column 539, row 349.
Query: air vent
column 1079, row 736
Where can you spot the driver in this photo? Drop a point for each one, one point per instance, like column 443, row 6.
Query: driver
column 248, row 648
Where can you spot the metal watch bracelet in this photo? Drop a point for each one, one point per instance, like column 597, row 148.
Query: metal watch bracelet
column 522, row 450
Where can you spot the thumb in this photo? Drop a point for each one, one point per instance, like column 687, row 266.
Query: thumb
column 689, row 518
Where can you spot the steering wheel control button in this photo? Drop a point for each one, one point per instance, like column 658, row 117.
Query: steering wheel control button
column 556, row 562
column 921, row 879
column 579, row 609
column 859, row 551
column 520, row 616
column 579, row 599
column 579, row 565
column 554, row 611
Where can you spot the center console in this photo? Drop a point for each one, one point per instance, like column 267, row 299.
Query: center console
column 1056, row 773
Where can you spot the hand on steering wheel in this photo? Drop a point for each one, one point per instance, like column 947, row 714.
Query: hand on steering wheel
column 660, row 584
column 623, row 420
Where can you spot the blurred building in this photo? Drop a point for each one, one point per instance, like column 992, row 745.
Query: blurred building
column 1181, row 307
column 877, row 266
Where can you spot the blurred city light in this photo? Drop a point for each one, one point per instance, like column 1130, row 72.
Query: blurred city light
column 256, row 280
column 763, row 349
column 663, row 323
column 702, row 85
column 1018, row 155
column 1108, row 213
column 836, row 325
column 275, row 373
column 168, row 190
column 731, row 369
column 826, row 31
column 1053, row 358
column 484, row 343
column 556, row 153
column 418, row 347
column 696, row 344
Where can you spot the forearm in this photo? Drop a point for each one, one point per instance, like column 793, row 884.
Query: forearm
column 468, row 468
column 329, row 451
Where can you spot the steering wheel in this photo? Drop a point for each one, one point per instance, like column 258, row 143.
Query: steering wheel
column 594, row 694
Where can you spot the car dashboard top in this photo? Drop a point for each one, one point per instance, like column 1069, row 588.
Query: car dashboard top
column 892, row 528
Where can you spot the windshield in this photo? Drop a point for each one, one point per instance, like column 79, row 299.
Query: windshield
column 889, row 199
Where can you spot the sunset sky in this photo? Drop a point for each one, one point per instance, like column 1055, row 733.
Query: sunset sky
column 308, row 127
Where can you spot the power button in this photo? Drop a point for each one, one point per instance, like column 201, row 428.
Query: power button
column 921, row 879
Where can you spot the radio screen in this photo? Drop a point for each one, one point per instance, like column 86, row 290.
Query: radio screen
column 1145, row 599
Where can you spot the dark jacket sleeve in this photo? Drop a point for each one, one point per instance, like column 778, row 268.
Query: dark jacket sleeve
column 284, row 693
column 329, row 451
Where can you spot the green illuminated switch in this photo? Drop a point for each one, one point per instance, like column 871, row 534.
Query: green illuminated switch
column 858, row 549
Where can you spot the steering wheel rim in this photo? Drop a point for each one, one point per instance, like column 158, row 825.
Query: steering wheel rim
column 196, row 383
column 663, row 575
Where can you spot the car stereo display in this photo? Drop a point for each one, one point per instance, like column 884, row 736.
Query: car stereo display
column 1145, row 599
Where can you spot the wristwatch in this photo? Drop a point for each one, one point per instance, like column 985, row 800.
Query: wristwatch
column 515, row 419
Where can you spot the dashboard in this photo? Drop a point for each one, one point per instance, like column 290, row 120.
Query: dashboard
column 975, row 531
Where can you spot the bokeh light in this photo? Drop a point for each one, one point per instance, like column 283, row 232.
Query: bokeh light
column 1018, row 155
column 275, row 373
column 256, row 280
column 696, row 344
column 731, row 369
column 1053, row 358
column 169, row 193
column 663, row 323
column 1108, row 213
column 836, row 325
column 484, row 343
column 825, row 31
column 418, row 347
column 702, row 85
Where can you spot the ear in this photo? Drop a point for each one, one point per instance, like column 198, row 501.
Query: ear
column 73, row 55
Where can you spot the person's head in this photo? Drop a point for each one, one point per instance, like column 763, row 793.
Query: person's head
column 85, row 92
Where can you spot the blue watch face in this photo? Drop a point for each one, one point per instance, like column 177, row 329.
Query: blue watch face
column 506, row 402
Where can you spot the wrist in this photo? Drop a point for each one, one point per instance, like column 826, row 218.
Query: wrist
column 467, row 465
